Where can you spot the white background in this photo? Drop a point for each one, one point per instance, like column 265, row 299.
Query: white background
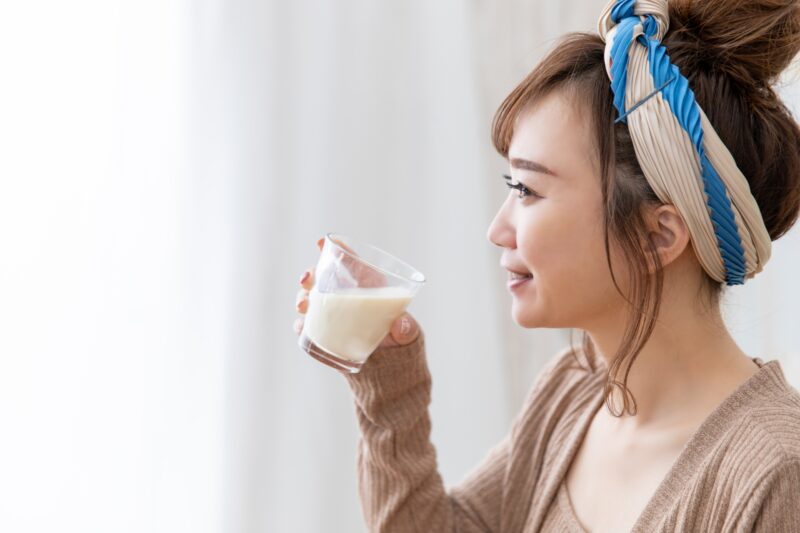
column 166, row 169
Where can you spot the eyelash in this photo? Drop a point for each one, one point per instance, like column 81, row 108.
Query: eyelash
column 523, row 190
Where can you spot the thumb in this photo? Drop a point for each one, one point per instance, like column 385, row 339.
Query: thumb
column 405, row 330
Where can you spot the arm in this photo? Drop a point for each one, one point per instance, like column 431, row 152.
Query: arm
column 399, row 484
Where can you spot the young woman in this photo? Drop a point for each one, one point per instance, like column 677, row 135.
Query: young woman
column 652, row 165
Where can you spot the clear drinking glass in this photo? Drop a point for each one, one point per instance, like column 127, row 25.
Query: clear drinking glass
column 359, row 291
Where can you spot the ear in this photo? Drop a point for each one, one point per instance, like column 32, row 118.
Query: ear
column 669, row 233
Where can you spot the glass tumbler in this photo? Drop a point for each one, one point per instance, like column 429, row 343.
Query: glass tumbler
column 359, row 291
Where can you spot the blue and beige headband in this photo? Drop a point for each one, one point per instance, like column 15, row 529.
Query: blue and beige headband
column 682, row 157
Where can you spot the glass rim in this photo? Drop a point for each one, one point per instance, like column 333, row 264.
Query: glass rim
column 329, row 235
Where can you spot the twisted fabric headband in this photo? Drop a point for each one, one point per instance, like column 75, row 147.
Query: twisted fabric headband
column 682, row 157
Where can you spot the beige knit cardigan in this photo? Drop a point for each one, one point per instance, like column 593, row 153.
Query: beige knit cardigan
column 740, row 471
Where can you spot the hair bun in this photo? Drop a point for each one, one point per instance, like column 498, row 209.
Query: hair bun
column 752, row 41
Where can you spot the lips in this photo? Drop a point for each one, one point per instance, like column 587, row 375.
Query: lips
column 516, row 275
column 517, row 284
column 515, row 271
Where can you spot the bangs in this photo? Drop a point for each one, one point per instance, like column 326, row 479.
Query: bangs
column 575, row 64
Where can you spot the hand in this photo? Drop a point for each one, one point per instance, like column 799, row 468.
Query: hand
column 404, row 330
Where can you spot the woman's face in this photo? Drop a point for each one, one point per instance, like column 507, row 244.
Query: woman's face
column 557, row 238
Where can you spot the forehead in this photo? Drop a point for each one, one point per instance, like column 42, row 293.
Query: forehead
column 554, row 132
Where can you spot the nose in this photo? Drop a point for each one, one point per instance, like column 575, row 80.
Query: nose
column 501, row 231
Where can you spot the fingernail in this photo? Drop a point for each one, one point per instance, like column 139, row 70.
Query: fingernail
column 305, row 277
column 320, row 242
column 405, row 326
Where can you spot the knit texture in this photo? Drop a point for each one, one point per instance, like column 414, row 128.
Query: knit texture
column 740, row 471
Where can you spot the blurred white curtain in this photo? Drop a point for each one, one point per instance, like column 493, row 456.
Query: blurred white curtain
column 167, row 168
column 363, row 118
column 114, row 275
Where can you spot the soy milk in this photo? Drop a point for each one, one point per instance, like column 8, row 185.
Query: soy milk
column 351, row 323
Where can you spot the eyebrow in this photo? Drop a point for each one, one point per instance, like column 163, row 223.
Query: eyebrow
column 524, row 164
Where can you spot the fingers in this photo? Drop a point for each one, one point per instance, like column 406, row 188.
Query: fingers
column 306, row 284
column 307, row 279
column 344, row 247
column 301, row 301
column 365, row 275
column 405, row 330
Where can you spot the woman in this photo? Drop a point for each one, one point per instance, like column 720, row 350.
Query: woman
column 652, row 165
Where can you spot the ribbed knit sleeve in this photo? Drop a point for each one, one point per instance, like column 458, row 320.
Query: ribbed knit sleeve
column 400, row 487
column 399, row 484
column 780, row 509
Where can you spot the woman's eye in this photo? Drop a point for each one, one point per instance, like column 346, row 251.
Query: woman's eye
column 523, row 190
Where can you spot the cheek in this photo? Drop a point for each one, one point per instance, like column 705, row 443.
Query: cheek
column 560, row 242
column 566, row 254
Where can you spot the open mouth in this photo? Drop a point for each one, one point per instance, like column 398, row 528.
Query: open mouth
column 516, row 280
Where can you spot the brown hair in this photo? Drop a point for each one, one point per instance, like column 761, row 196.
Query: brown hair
column 732, row 52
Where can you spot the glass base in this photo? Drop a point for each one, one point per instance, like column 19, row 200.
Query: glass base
column 318, row 353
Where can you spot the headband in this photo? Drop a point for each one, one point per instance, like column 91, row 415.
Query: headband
column 681, row 156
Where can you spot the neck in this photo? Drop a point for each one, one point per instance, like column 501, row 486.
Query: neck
column 689, row 364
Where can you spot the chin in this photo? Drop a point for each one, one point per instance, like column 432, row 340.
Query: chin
column 529, row 318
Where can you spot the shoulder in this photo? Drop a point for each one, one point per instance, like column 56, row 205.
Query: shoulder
column 760, row 451
column 748, row 458
column 774, row 422
column 773, row 418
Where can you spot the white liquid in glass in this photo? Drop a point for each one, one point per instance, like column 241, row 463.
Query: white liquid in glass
column 351, row 323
